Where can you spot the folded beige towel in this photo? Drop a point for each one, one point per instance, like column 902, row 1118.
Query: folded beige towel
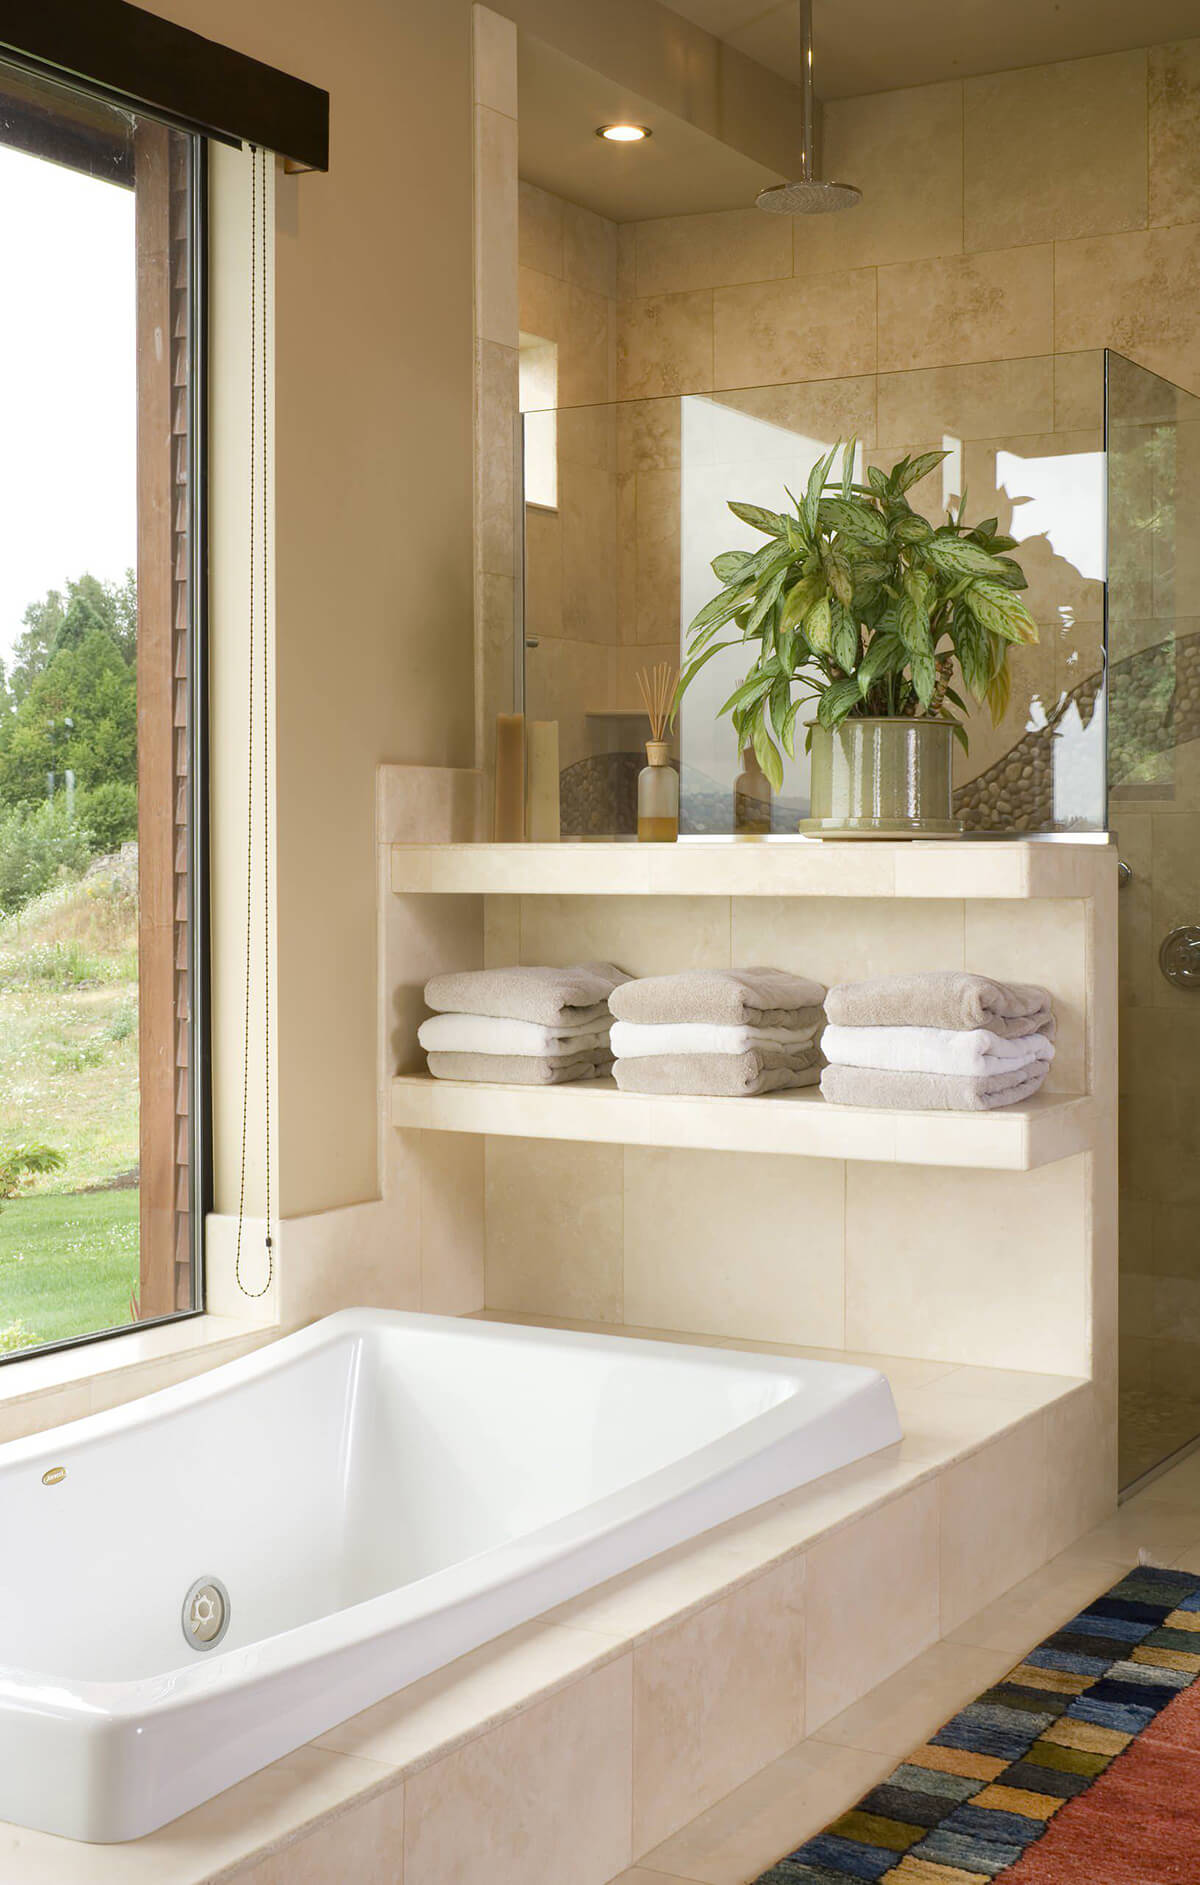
column 931, row 1092
column 942, row 998
column 551, row 997
column 760, row 998
column 720, row 1076
column 519, row 1069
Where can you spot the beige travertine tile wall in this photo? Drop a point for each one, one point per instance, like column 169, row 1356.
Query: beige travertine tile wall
column 1011, row 226
column 497, row 333
column 568, row 285
column 985, row 1267
column 581, row 557
column 982, row 200
column 991, row 1269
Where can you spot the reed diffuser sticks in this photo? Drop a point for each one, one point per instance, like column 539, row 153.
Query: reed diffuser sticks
column 657, row 687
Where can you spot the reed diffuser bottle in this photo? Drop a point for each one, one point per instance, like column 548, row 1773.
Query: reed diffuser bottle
column 658, row 781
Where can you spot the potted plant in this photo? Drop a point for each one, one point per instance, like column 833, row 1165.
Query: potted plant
column 858, row 603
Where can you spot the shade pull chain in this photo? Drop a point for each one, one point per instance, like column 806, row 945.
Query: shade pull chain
column 257, row 620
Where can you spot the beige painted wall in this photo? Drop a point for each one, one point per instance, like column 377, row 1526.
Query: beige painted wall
column 374, row 642
column 373, row 408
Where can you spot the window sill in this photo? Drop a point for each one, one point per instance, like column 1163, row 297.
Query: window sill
column 45, row 1390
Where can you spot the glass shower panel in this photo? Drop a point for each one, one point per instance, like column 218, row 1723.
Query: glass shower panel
column 620, row 565
column 1153, row 436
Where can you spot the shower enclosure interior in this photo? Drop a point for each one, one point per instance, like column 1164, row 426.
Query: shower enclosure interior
column 625, row 506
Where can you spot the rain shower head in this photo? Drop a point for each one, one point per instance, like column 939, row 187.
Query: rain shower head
column 807, row 196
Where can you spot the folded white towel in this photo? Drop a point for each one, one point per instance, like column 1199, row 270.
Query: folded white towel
column 495, row 1034
column 933, row 1050
column 640, row 1040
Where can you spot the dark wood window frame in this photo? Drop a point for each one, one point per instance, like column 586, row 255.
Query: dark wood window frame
column 173, row 1074
column 166, row 168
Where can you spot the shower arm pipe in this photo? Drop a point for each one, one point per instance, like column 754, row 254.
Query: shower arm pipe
column 807, row 168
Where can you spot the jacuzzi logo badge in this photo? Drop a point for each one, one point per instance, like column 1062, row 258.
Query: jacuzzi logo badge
column 55, row 1476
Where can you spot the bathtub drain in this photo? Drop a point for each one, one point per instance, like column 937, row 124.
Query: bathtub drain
column 205, row 1613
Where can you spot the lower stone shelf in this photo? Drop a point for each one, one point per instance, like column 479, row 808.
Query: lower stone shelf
column 1013, row 1138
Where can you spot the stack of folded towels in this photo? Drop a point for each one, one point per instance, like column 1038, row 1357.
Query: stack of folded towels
column 938, row 1042
column 725, row 1033
column 524, row 1026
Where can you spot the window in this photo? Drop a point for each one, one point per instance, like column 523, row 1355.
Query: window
column 537, row 397
column 102, row 1091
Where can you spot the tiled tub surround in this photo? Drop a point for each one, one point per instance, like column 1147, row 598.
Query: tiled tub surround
column 574, row 1745
column 598, row 1706
column 955, row 1268
column 417, row 1486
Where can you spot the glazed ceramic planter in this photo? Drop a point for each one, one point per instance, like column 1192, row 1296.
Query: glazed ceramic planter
column 882, row 779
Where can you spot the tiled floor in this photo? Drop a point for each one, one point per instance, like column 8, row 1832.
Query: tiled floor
column 792, row 1799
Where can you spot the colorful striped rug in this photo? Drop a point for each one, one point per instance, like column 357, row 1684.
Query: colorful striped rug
column 1082, row 1767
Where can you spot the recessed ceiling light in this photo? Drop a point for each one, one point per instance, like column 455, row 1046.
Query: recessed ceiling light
column 624, row 133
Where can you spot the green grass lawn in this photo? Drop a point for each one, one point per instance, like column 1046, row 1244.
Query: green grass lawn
column 69, row 1080
column 67, row 1265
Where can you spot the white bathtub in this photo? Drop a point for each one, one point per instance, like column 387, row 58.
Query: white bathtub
column 377, row 1495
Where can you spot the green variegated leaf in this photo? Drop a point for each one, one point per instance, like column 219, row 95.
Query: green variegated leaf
column 999, row 691
column 845, row 642
column 692, row 670
column 878, row 481
column 848, row 468
column 886, row 655
column 788, row 736
column 971, row 646
column 916, row 469
column 730, row 564
column 810, row 508
column 799, row 600
column 702, row 640
column 839, row 698
column 755, row 685
column 912, row 625
column 818, row 626
column 1011, row 573
column 837, row 572
column 767, row 754
column 924, row 674
column 768, row 596
column 771, row 523
column 1001, row 611
column 721, row 609
column 956, row 556
column 854, row 519
column 781, row 700
column 913, row 529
